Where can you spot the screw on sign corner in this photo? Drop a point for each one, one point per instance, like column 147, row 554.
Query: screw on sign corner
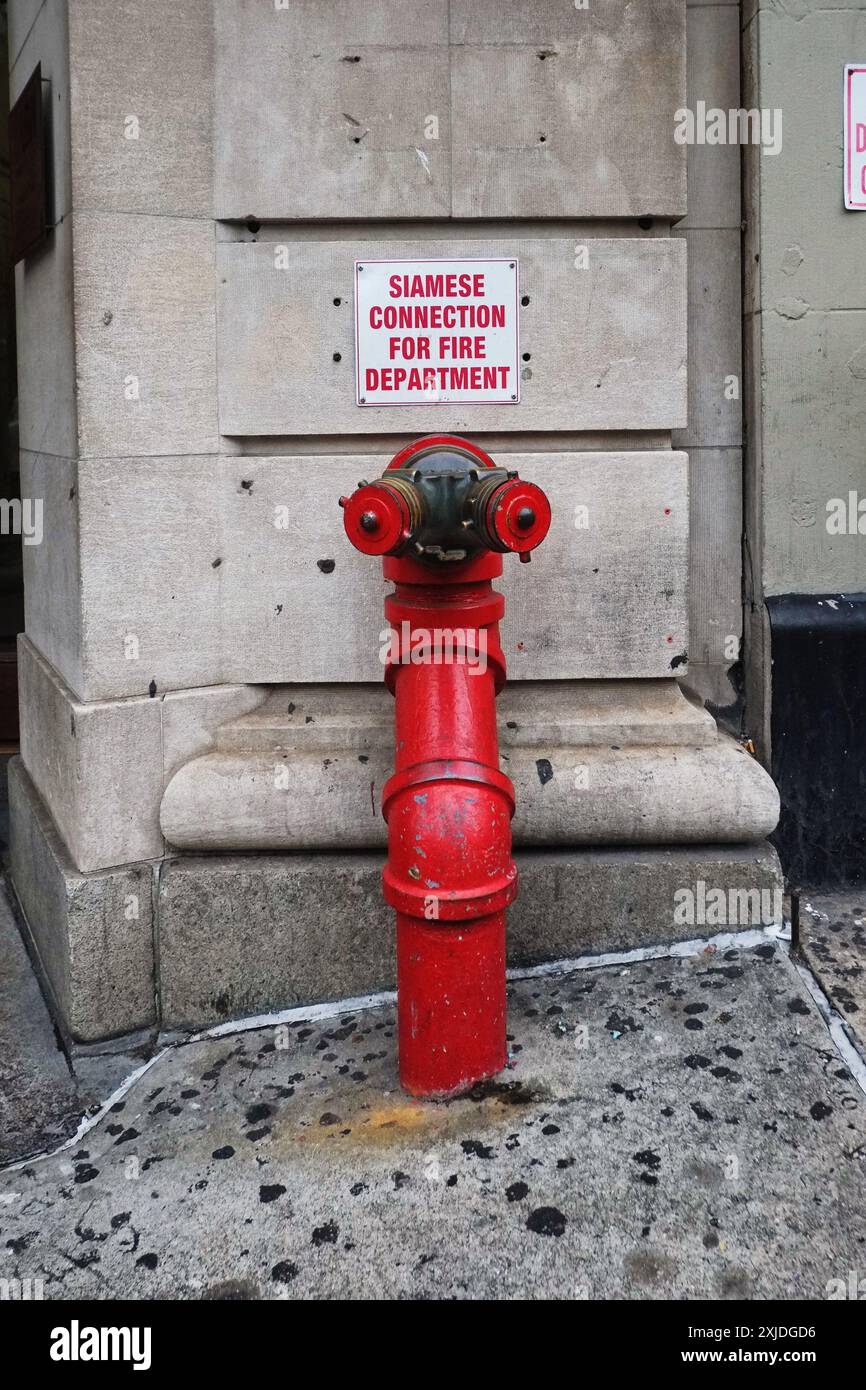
column 442, row 516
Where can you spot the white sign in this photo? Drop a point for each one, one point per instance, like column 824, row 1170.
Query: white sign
column 437, row 332
column 854, row 111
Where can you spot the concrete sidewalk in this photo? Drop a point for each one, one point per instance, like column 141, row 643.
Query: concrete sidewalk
column 678, row 1128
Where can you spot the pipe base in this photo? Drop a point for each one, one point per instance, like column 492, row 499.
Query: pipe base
column 451, row 1004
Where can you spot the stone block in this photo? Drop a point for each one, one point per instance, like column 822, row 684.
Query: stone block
column 52, row 569
column 316, row 926
column 152, row 567
column 142, row 98
column 548, row 117
column 713, row 66
column 45, row 336
column 93, row 933
column 576, row 902
column 612, row 571
column 605, row 594
column 102, row 767
column 192, row 530
column 144, row 317
column 715, row 538
column 335, row 110
column 98, row 767
column 715, row 341
column 40, row 1103
column 606, row 342
column 573, row 795
column 592, row 762
column 190, row 719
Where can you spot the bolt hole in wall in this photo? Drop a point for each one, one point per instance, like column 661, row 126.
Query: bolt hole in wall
column 11, row 575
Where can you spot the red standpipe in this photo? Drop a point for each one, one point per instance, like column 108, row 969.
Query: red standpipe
column 441, row 518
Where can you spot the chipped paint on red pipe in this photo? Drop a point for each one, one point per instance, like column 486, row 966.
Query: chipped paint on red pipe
column 450, row 874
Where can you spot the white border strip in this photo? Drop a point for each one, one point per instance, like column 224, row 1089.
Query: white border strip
column 310, row 1013
column 304, row 1013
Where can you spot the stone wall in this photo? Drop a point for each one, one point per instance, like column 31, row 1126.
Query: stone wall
column 182, row 383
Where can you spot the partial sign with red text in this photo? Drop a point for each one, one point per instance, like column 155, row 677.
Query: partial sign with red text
column 437, row 332
column 854, row 112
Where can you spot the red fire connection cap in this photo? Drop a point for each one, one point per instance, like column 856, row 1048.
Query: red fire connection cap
column 518, row 516
column 377, row 519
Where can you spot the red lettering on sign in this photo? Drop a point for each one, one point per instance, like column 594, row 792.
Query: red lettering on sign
column 436, row 286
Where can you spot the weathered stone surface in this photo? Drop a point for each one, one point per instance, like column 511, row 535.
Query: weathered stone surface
column 98, row 767
column 93, row 932
column 313, row 778
column 812, row 427
column 639, row 796
column 613, row 572
column 585, row 901
column 565, row 713
column 190, row 719
column 547, row 115
column 102, row 767
column 152, row 563
column 315, row 612
column 606, row 593
column 638, row 1147
column 715, row 340
column 592, row 367
column 142, row 97
column 52, row 569
column 715, row 540
column 332, row 111
column 144, row 319
column 44, row 280
column 713, row 72
column 812, row 249
column 315, row 926
column 489, row 113
column 598, row 713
